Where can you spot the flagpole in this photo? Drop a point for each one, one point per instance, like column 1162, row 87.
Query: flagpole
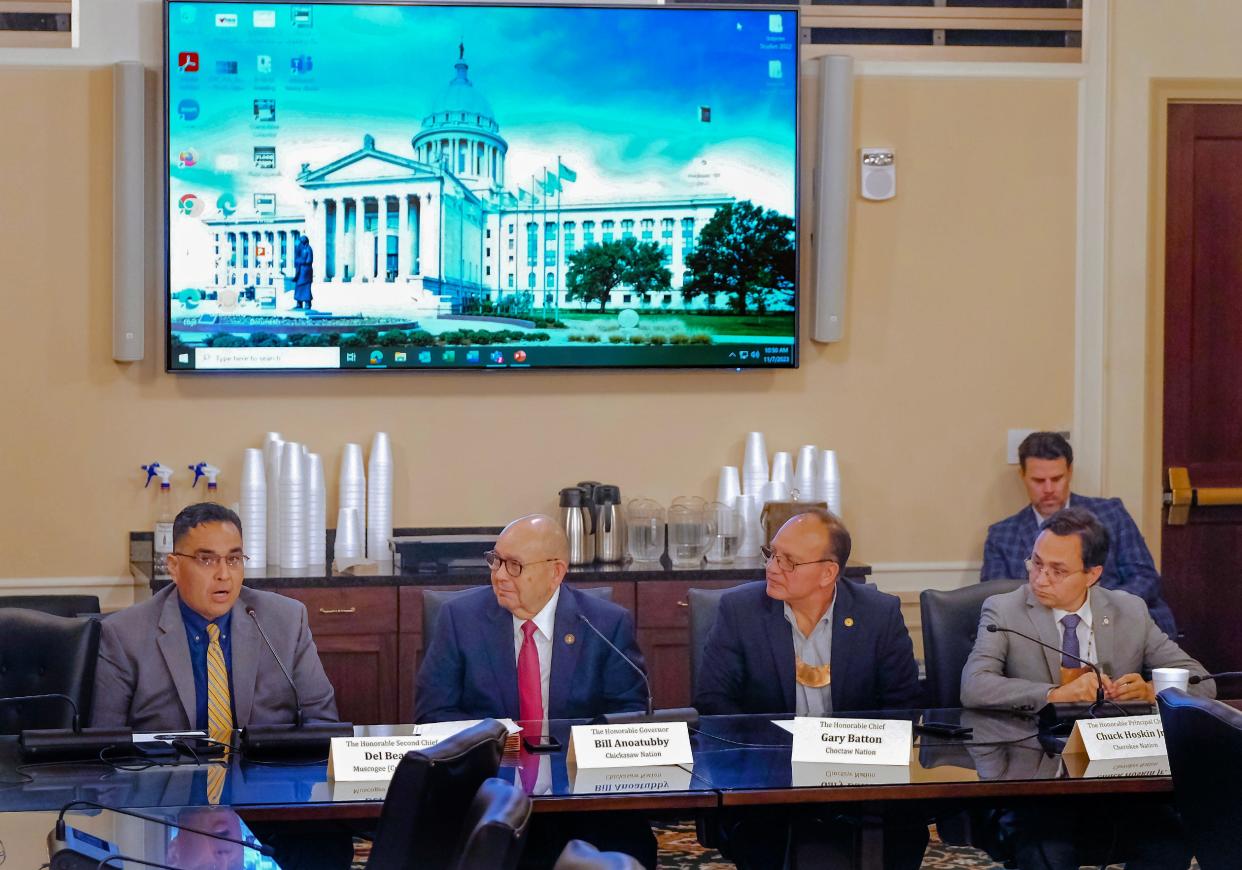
column 560, row 234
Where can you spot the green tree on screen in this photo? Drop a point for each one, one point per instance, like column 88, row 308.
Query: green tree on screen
column 597, row 270
column 746, row 252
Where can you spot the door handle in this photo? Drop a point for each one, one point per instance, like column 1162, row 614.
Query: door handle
column 1182, row 495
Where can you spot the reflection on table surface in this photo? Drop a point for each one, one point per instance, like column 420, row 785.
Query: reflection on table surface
column 95, row 834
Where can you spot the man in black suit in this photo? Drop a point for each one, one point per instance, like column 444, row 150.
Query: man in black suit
column 806, row 642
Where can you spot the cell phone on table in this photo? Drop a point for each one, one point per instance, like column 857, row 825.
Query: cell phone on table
column 541, row 743
column 945, row 729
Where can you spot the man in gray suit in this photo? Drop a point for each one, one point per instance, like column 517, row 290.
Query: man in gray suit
column 202, row 627
column 1063, row 606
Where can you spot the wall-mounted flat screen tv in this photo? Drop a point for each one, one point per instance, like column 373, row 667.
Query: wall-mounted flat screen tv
column 357, row 186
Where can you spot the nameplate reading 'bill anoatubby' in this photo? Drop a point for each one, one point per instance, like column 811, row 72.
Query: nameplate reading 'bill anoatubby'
column 1120, row 737
column 852, row 741
column 637, row 745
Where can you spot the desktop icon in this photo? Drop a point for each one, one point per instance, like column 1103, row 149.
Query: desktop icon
column 265, row 203
column 264, row 18
column 448, row 356
column 775, row 25
column 183, row 358
column 399, row 356
column 186, row 158
column 377, row 358
column 265, row 157
column 519, row 356
column 301, row 65
column 190, row 205
column 265, row 110
column 187, row 61
column 301, row 16
column 424, row 356
column 226, row 67
column 497, row 357
column 226, row 19
column 188, row 110
column 350, row 356
column 263, row 63
column 775, row 70
column 472, row 356
column 227, row 204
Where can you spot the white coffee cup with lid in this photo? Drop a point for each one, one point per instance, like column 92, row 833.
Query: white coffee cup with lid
column 1169, row 678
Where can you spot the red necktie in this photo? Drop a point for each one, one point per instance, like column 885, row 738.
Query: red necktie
column 530, row 694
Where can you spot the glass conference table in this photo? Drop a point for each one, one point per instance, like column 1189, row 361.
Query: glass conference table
column 738, row 761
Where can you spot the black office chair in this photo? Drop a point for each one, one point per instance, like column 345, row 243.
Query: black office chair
column 1204, row 740
column 430, row 793
column 434, row 599
column 950, row 623
column 579, row 855
column 57, row 605
column 41, row 654
column 704, row 603
column 495, row 828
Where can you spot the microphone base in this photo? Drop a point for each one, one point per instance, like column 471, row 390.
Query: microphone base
column 689, row 715
column 65, row 743
column 258, row 741
column 1059, row 718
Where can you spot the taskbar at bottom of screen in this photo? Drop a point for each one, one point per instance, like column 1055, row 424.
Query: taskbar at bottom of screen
column 751, row 355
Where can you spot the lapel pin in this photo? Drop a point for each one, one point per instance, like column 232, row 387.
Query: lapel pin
column 569, row 639
column 1106, row 620
column 849, row 622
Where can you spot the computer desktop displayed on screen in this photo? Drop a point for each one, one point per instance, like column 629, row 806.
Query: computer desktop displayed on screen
column 359, row 186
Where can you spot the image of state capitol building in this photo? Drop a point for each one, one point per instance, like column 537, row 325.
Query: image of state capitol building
column 394, row 235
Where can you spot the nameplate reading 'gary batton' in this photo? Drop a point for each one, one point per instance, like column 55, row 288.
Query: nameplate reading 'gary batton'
column 1122, row 737
column 637, row 745
column 852, row 741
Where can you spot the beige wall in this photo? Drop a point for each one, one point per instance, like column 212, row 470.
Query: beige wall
column 957, row 329
column 1159, row 49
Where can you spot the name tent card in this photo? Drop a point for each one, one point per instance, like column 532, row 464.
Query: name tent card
column 376, row 756
column 638, row 745
column 852, row 741
column 1122, row 737
column 819, row 774
column 626, row 780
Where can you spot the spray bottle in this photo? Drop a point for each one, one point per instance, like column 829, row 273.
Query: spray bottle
column 164, row 513
column 209, row 471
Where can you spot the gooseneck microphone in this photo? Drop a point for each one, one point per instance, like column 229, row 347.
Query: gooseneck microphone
column 48, row 696
column 297, row 701
column 59, row 831
column 1199, row 678
column 44, row 743
column 678, row 714
column 1099, row 678
column 298, row 738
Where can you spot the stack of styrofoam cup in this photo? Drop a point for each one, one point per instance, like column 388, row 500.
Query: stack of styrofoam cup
column 272, row 448
column 775, row 490
column 804, row 474
column 292, row 507
column 754, row 464
column 751, row 537
column 352, row 493
column 316, row 511
column 828, row 481
column 379, row 498
column 349, row 540
column 252, row 508
column 729, row 487
column 782, row 468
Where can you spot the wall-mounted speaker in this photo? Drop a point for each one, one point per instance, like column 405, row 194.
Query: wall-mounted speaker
column 832, row 195
column 878, row 178
column 129, row 195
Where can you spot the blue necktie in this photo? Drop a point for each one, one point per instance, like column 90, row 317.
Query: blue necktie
column 1070, row 641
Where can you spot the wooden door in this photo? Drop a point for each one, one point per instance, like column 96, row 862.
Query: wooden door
column 1202, row 550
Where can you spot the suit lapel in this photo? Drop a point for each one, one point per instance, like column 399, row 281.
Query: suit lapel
column 175, row 648
column 1102, row 619
column 1046, row 630
column 497, row 643
column 564, row 655
column 780, row 642
column 246, row 645
column 842, row 636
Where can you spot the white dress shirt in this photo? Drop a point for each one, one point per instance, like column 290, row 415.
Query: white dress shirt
column 545, row 624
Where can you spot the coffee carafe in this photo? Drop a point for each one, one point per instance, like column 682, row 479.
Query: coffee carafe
column 578, row 521
column 609, row 524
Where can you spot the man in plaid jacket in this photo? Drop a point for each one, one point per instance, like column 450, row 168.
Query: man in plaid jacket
column 1045, row 463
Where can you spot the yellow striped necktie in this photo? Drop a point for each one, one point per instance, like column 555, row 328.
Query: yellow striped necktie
column 219, row 710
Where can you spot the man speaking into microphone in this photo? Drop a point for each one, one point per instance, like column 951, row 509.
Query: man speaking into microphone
column 1063, row 605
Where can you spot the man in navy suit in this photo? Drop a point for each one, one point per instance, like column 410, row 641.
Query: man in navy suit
column 1046, row 466
column 805, row 642
column 523, row 649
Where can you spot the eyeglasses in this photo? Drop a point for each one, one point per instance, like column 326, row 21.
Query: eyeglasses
column 1035, row 566
column 511, row 566
column 785, row 563
column 211, row 560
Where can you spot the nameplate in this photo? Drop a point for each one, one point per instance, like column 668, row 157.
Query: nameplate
column 1122, row 737
column 1081, row 767
column 341, row 791
column 638, row 745
column 628, row 780
column 375, row 757
column 852, row 741
column 817, row 774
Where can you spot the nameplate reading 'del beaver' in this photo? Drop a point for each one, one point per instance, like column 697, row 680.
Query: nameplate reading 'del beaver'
column 1120, row 737
column 372, row 756
column 852, row 741
column 637, row 745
